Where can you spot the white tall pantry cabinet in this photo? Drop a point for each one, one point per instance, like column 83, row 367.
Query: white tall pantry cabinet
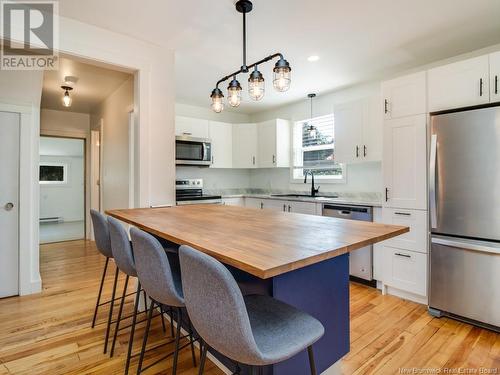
column 401, row 263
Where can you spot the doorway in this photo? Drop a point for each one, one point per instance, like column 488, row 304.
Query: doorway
column 62, row 189
column 9, row 204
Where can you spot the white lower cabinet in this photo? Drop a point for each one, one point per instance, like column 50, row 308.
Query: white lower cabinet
column 237, row 201
column 282, row 205
column 416, row 220
column 405, row 270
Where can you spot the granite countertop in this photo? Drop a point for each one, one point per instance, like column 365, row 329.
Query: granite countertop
column 364, row 199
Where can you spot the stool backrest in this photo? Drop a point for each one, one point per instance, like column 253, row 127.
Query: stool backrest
column 215, row 306
column 121, row 247
column 153, row 269
column 101, row 233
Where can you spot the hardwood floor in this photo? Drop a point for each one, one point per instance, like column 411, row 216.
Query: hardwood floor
column 50, row 333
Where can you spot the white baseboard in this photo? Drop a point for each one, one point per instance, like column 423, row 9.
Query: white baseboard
column 402, row 294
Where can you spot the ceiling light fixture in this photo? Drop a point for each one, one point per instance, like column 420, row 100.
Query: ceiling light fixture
column 66, row 99
column 313, row 58
column 312, row 129
column 256, row 82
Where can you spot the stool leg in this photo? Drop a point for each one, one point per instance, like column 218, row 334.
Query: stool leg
column 311, row 360
column 162, row 319
column 177, row 339
column 191, row 340
column 120, row 310
column 100, row 291
column 132, row 329
column 145, row 303
column 203, row 356
column 145, row 339
column 111, row 305
column 171, row 313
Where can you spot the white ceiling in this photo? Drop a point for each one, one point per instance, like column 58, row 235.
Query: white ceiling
column 94, row 85
column 356, row 40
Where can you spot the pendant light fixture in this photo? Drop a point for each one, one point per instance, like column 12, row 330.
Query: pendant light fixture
column 312, row 129
column 256, row 82
column 66, row 99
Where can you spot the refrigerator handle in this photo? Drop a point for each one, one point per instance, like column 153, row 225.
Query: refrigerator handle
column 432, row 181
column 466, row 245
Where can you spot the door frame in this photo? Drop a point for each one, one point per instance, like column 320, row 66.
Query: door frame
column 86, row 202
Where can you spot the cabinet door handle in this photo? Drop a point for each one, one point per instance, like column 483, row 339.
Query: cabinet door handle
column 274, row 159
column 364, row 150
column 261, row 205
column 284, row 207
column 402, row 213
column 213, row 159
column 403, row 255
column 253, row 160
column 480, row 87
column 386, row 103
column 386, row 194
column 186, row 133
column 357, row 151
column 496, row 85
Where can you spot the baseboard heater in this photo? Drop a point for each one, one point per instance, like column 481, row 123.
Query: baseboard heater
column 47, row 220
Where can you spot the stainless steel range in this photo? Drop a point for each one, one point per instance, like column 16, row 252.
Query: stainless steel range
column 190, row 191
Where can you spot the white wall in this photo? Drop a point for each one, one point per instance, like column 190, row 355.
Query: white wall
column 66, row 200
column 208, row 114
column 114, row 112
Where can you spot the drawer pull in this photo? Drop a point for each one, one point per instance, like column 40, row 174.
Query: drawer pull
column 402, row 255
column 402, row 213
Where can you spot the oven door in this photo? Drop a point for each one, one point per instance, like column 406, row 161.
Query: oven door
column 192, row 151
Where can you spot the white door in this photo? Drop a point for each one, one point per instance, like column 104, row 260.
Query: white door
column 404, row 162
column 221, row 134
column 404, row 96
column 348, row 131
column 460, row 84
column 495, row 77
column 244, row 146
column 267, row 144
column 9, row 204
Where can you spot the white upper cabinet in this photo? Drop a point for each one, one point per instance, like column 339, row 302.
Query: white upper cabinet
column 461, row 84
column 404, row 96
column 348, row 131
column 495, row 77
column 192, row 127
column 274, row 138
column 404, row 163
column 221, row 134
column 358, row 131
column 245, row 145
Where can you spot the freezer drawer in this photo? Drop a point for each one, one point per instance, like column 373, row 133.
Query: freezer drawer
column 465, row 276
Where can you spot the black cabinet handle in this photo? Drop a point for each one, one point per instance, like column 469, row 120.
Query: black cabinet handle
column 496, row 85
column 289, row 208
column 284, row 207
column 403, row 255
column 261, row 205
column 386, row 194
column 480, row 87
column 385, row 106
column 357, row 151
column 364, row 151
column 402, row 213
column 253, row 160
column 274, row 159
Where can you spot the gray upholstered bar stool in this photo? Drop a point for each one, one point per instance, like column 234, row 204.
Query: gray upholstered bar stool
column 163, row 285
column 124, row 259
column 254, row 330
column 103, row 243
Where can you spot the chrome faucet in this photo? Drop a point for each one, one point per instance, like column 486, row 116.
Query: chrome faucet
column 313, row 190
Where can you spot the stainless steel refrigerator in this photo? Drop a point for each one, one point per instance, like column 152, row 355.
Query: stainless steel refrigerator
column 464, row 203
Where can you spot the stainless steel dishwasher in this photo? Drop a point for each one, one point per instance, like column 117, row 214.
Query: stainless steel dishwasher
column 360, row 261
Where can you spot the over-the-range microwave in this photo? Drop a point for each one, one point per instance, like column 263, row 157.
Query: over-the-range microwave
column 193, row 151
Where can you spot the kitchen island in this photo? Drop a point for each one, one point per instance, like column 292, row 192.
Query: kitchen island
column 300, row 259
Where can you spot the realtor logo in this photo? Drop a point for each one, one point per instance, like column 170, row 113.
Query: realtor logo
column 30, row 35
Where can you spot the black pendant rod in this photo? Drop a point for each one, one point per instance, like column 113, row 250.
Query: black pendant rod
column 244, row 66
column 270, row 57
